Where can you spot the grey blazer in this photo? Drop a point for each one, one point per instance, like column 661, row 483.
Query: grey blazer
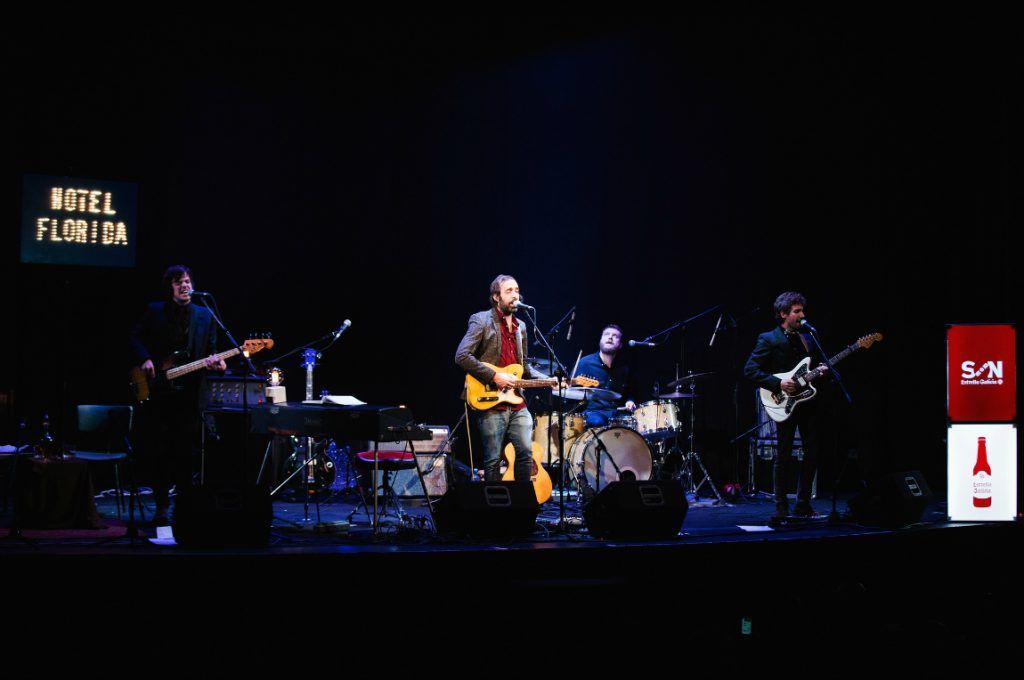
column 482, row 343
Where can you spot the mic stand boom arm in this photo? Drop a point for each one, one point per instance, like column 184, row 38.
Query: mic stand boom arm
column 678, row 324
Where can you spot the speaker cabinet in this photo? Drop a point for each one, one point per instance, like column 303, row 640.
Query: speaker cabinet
column 893, row 501
column 488, row 510
column 637, row 510
column 222, row 516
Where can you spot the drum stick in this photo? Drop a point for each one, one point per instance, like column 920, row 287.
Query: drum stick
column 578, row 357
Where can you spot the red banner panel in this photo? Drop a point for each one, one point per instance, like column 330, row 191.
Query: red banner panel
column 981, row 372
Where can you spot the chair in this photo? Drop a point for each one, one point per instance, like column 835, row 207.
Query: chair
column 103, row 439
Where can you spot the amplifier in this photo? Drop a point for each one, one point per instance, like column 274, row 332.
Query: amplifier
column 435, row 468
column 226, row 391
column 406, row 483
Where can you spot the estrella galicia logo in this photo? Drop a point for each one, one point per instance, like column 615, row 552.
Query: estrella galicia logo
column 987, row 373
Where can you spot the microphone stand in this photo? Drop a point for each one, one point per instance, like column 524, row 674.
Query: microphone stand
column 682, row 363
column 560, row 374
column 833, row 516
column 311, row 453
column 251, row 370
column 552, row 332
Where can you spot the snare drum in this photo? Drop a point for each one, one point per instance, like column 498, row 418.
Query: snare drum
column 626, row 420
column 657, row 419
column 625, row 455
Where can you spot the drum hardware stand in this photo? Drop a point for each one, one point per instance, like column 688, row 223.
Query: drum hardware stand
column 663, row 455
column 692, row 455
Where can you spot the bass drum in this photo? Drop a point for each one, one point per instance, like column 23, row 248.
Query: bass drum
column 624, row 455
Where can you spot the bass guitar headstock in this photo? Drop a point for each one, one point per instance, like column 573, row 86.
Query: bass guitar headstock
column 257, row 344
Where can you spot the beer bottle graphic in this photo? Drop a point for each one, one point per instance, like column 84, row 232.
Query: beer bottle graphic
column 982, row 477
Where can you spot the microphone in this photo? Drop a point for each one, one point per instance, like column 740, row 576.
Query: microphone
column 641, row 343
column 344, row 327
column 568, row 336
column 805, row 324
column 715, row 333
column 199, row 293
column 518, row 303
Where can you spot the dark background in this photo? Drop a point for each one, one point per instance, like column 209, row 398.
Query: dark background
column 312, row 169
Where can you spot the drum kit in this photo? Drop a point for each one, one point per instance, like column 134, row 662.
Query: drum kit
column 634, row 445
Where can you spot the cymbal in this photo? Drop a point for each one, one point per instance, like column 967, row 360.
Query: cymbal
column 581, row 393
column 677, row 395
column 688, row 377
column 540, row 364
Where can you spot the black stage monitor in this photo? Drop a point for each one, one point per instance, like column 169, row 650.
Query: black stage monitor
column 70, row 220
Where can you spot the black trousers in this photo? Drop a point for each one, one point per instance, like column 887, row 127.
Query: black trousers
column 171, row 440
column 806, row 418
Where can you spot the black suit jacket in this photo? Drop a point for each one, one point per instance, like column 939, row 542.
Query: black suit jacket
column 775, row 352
column 152, row 336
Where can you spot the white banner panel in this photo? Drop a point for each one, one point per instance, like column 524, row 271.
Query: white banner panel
column 982, row 472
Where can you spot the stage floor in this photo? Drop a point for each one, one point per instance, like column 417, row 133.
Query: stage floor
column 341, row 524
column 847, row 596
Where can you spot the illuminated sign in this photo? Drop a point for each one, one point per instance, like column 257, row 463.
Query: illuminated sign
column 78, row 221
column 981, row 472
column 981, row 372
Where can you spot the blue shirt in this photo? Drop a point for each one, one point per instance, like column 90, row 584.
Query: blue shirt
column 615, row 378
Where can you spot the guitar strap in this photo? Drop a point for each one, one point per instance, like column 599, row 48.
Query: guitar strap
column 469, row 437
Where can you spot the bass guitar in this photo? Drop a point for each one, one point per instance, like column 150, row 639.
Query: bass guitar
column 167, row 369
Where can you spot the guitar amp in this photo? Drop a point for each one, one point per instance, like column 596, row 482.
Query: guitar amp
column 226, row 391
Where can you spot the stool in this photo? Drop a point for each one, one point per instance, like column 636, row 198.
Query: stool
column 387, row 462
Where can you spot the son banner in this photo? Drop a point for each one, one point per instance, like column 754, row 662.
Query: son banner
column 981, row 373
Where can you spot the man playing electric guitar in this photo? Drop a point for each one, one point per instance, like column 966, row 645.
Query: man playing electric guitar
column 171, row 418
column 497, row 337
column 778, row 351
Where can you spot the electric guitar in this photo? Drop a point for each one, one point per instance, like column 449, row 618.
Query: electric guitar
column 167, row 369
column 483, row 397
column 780, row 405
column 539, row 476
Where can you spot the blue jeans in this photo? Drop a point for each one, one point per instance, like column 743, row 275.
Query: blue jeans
column 598, row 418
column 496, row 428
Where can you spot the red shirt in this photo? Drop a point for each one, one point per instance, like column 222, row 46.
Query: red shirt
column 509, row 351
